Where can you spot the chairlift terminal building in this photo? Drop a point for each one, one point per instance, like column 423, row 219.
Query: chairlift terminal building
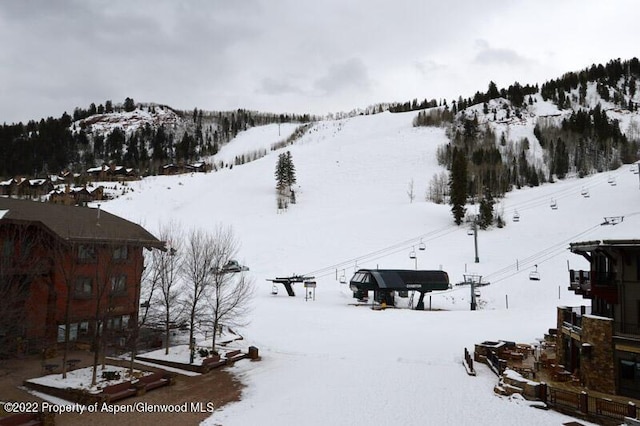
column 386, row 282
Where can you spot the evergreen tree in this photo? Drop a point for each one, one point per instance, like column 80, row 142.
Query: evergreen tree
column 486, row 210
column 458, row 185
column 290, row 169
column 561, row 160
column 285, row 175
column 493, row 93
column 129, row 105
column 281, row 173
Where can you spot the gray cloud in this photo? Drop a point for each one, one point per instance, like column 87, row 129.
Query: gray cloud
column 271, row 86
column 428, row 67
column 345, row 76
column 489, row 55
column 327, row 56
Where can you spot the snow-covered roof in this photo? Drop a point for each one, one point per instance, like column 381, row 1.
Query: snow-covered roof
column 96, row 169
column 3, row 212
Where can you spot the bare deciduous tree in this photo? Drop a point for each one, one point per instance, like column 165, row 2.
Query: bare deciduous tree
column 198, row 269
column 229, row 293
column 438, row 187
column 168, row 265
column 67, row 270
column 410, row 191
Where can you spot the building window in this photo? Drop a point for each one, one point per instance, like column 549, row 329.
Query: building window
column 118, row 323
column 83, row 328
column 83, row 287
column 627, row 370
column 7, row 248
column 118, row 284
column 73, row 332
column 629, row 376
column 86, row 253
column 28, row 243
column 120, row 253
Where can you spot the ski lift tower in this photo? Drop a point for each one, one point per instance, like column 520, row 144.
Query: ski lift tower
column 473, row 280
column 474, row 231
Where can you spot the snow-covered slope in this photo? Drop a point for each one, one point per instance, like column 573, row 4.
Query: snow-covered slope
column 329, row 362
column 104, row 124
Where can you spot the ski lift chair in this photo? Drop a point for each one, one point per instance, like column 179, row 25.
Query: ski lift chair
column 412, row 254
column 534, row 275
column 554, row 204
column 470, row 231
column 274, row 289
column 516, row 217
column 585, row 193
column 422, row 246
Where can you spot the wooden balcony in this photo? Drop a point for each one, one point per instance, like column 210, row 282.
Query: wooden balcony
column 580, row 283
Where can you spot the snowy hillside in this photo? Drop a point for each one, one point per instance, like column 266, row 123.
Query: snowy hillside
column 513, row 125
column 329, row 362
column 130, row 121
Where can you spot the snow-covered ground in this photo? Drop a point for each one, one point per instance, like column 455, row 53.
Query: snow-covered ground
column 330, row 362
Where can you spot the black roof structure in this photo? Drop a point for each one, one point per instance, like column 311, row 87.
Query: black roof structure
column 400, row 279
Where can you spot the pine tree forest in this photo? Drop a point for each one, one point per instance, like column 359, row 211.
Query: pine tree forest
column 51, row 145
column 586, row 140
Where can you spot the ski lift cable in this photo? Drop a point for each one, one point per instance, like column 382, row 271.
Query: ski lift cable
column 551, row 255
column 540, row 200
column 538, row 257
column 529, row 204
column 389, row 250
column 542, row 256
column 432, row 235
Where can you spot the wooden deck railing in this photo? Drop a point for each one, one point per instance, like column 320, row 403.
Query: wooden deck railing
column 589, row 405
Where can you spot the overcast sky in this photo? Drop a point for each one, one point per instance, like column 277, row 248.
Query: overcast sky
column 293, row 55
